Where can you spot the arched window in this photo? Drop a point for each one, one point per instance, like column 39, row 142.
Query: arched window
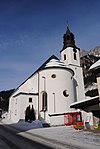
column 64, row 56
column 75, row 56
column 44, row 101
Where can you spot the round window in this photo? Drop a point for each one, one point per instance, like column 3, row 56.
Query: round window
column 65, row 93
column 53, row 76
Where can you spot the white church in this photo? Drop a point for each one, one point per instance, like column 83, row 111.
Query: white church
column 52, row 88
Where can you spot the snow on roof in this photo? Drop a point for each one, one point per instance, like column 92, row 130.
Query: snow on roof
column 97, row 55
column 82, row 101
column 91, row 86
column 95, row 65
column 54, row 62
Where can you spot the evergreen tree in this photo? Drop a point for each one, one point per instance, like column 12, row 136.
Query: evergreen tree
column 27, row 114
column 32, row 114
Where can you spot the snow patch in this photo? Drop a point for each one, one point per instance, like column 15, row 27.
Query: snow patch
column 24, row 125
column 91, row 87
column 95, row 65
column 33, row 124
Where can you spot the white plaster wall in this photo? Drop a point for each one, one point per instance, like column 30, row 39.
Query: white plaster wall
column 70, row 57
column 31, row 85
column 63, row 81
column 18, row 107
column 75, row 66
column 57, row 120
column 79, row 83
column 19, row 104
column 25, row 103
column 14, row 109
column 98, row 82
column 17, row 111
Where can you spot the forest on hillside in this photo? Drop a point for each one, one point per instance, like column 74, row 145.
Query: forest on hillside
column 4, row 99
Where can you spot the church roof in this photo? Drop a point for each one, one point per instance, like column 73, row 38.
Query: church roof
column 52, row 62
column 68, row 40
column 96, row 65
column 83, row 104
column 44, row 64
column 68, row 30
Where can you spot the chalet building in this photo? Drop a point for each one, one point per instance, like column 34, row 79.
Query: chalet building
column 91, row 105
column 95, row 68
column 52, row 88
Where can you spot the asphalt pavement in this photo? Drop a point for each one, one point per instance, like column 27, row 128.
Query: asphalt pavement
column 62, row 137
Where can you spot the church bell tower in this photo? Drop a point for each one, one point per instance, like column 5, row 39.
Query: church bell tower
column 69, row 52
column 68, row 39
column 70, row 56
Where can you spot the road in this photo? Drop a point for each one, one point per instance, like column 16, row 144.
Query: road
column 62, row 137
column 10, row 139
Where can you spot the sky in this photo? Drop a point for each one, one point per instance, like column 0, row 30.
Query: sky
column 32, row 30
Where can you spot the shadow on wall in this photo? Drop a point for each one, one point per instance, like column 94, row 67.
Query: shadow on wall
column 75, row 90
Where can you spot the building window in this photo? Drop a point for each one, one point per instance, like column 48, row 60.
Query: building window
column 30, row 99
column 53, row 76
column 65, row 93
column 44, row 101
column 75, row 51
column 64, row 56
column 75, row 56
